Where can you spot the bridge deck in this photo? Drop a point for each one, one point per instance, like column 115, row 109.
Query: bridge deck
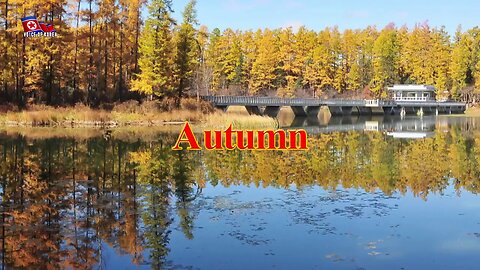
column 311, row 106
column 276, row 101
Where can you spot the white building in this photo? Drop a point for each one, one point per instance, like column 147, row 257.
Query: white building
column 412, row 92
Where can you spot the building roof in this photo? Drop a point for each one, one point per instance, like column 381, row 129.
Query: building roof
column 412, row 88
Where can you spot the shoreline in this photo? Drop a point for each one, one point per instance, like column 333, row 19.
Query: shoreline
column 101, row 119
column 128, row 113
column 93, row 124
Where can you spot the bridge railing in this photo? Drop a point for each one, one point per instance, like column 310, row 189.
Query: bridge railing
column 261, row 101
column 429, row 103
column 341, row 102
column 387, row 103
column 379, row 103
column 276, row 101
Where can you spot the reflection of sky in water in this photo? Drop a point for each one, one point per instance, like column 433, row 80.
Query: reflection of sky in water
column 255, row 228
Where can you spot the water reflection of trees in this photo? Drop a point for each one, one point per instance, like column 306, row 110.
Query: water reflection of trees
column 369, row 161
column 64, row 200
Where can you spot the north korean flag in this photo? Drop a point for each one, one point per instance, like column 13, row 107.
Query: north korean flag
column 30, row 24
column 50, row 28
column 44, row 26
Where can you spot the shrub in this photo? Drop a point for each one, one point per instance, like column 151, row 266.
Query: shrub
column 8, row 107
column 131, row 106
column 150, row 107
column 192, row 104
column 206, row 107
column 107, row 106
column 189, row 104
column 167, row 104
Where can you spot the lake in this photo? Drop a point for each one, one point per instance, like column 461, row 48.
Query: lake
column 371, row 193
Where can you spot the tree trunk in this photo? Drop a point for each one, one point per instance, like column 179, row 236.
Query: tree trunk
column 90, row 41
column 137, row 34
column 105, row 68
column 120, row 79
column 76, row 50
column 5, row 55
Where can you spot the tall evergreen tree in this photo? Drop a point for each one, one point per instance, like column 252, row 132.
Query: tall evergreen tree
column 156, row 52
column 188, row 51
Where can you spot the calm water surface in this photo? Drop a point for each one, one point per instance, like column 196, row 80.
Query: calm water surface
column 372, row 193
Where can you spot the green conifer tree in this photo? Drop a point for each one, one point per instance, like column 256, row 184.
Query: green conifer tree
column 187, row 56
column 156, row 52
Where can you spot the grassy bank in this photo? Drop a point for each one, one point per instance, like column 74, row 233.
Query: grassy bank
column 132, row 113
column 129, row 113
column 473, row 111
column 238, row 121
column 86, row 117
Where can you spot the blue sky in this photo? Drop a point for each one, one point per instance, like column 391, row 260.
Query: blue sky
column 253, row 14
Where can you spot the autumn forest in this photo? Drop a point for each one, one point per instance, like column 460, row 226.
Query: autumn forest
column 108, row 51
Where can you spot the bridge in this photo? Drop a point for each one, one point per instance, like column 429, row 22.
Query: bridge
column 303, row 107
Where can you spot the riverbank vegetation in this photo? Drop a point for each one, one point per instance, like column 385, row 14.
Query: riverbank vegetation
column 132, row 113
column 107, row 53
column 148, row 113
column 473, row 111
